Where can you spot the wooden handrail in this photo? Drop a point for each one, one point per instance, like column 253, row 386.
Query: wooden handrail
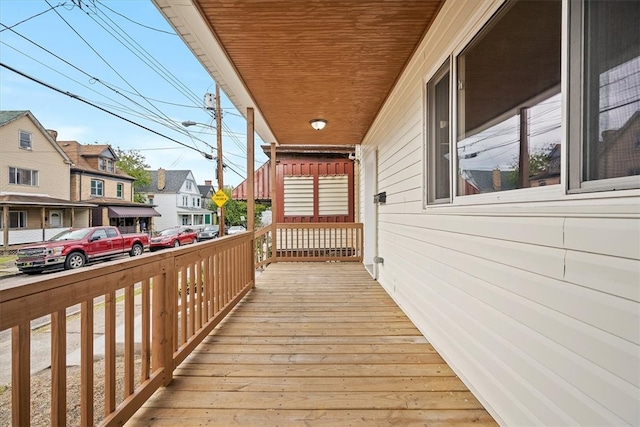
column 303, row 242
column 184, row 293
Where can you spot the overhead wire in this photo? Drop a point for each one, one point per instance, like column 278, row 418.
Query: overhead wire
column 154, row 114
column 71, row 95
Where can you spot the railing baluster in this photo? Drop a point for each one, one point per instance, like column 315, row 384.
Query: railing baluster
column 110, row 353
column 145, row 349
column 59, row 368
column 192, row 285
column 86, row 363
column 20, row 374
column 129, row 335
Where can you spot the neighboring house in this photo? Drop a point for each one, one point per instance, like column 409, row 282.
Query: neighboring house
column 177, row 197
column 620, row 151
column 206, row 193
column 34, row 183
column 96, row 179
column 313, row 183
column 486, row 181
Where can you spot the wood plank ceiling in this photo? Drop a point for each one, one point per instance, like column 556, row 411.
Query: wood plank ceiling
column 331, row 59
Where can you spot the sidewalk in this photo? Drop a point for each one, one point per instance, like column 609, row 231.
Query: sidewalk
column 8, row 266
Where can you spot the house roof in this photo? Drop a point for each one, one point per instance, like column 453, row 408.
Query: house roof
column 11, row 199
column 293, row 61
column 206, row 190
column 79, row 153
column 8, row 116
column 483, row 180
column 262, row 184
column 173, row 182
column 112, row 201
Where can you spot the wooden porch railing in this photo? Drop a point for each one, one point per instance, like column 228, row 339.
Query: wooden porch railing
column 184, row 294
column 304, row 242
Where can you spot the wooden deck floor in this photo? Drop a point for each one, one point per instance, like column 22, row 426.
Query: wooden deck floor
column 314, row 344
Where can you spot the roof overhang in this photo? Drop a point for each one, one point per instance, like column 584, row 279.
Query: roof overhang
column 132, row 212
column 8, row 199
column 293, row 61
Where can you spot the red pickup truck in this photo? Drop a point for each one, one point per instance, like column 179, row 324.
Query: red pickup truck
column 75, row 247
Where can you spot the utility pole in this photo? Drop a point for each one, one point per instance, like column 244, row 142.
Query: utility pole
column 220, row 160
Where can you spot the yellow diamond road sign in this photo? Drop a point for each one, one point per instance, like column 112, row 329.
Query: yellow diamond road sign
column 220, row 198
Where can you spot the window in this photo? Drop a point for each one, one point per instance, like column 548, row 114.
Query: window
column 102, row 164
column 25, row 140
column 99, row 234
column 119, row 190
column 333, row 195
column 150, row 198
column 97, row 188
column 23, row 176
column 109, row 165
column 17, row 219
column 610, row 95
column 185, row 201
column 111, row 232
column 298, row 196
column 509, row 105
column 188, row 185
column 438, row 94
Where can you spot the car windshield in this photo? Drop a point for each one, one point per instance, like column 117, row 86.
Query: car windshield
column 210, row 228
column 169, row 232
column 70, row 235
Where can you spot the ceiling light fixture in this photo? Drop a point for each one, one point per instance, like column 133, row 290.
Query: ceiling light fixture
column 318, row 124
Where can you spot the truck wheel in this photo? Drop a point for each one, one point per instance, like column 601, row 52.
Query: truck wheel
column 176, row 243
column 74, row 260
column 136, row 249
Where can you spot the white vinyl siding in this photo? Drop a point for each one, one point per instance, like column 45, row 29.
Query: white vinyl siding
column 298, row 196
column 535, row 305
column 333, row 195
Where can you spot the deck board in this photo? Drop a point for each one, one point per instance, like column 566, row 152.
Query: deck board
column 314, row 344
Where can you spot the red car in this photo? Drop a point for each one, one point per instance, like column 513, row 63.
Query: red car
column 173, row 237
column 77, row 246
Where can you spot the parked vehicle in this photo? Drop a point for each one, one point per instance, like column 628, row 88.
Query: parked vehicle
column 208, row 232
column 173, row 237
column 236, row 229
column 75, row 247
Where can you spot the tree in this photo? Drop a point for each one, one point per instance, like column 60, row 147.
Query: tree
column 133, row 163
column 235, row 210
column 538, row 163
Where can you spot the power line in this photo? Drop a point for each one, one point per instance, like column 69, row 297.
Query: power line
column 135, row 22
column 71, row 95
column 31, row 17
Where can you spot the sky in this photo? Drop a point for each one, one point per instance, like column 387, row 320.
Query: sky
column 122, row 56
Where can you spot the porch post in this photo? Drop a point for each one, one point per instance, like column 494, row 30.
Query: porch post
column 274, row 205
column 251, row 193
column 250, row 172
column 5, row 228
column 43, row 217
column 73, row 219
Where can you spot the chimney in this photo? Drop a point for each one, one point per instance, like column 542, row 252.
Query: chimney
column 162, row 179
column 53, row 134
column 207, row 182
column 497, row 179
